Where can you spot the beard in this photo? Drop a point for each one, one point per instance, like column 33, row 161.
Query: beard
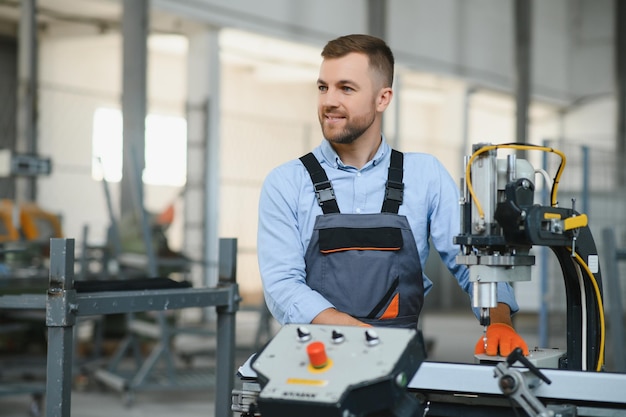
column 353, row 129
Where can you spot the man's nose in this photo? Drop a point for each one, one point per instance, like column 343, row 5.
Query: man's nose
column 330, row 98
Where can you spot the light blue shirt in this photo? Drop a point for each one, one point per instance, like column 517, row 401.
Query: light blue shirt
column 288, row 208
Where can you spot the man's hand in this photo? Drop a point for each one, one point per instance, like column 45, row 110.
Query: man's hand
column 332, row 316
column 502, row 339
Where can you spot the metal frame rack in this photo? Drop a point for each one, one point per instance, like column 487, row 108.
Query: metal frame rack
column 63, row 305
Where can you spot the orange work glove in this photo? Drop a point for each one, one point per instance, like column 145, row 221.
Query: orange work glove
column 501, row 340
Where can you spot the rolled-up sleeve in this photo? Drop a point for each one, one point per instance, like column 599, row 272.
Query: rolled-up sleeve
column 281, row 250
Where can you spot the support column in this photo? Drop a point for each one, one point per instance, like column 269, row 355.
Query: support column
column 135, row 23
column 201, row 224
column 620, row 88
column 523, row 22
column 377, row 26
column 26, row 141
column 377, row 18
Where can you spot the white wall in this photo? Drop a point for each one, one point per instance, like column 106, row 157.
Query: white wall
column 79, row 75
column 264, row 123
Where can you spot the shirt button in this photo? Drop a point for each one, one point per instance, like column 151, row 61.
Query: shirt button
column 358, row 211
column 358, row 174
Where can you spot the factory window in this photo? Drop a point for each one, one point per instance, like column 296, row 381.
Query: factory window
column 166, row 146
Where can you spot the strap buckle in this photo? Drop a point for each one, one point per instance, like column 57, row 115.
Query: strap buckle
column 324, row 192
column 394, row 191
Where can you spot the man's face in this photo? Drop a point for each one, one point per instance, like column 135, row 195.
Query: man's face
column 347, row 98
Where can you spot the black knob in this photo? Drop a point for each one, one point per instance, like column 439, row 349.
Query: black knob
column 304, row 335
column 371, row 338
column 337, row 336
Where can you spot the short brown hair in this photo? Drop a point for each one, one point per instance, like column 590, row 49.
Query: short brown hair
column 378, row 52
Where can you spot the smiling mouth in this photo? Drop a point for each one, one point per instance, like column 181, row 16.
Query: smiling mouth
column 333, row 118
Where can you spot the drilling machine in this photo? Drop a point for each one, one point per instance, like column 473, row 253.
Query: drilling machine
column 501, row 223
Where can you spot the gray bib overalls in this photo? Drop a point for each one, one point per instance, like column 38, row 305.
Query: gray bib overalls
column 366, row 265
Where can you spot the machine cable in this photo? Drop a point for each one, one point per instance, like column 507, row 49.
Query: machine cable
column 517, row 146
column 584, row 321
column 598, row 296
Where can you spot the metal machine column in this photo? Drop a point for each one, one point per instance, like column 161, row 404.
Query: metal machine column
column 620, row 88
column 522, row 20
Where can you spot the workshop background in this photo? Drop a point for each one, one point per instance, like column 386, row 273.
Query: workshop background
column 225, row 91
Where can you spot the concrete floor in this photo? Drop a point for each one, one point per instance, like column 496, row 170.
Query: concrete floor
column 451, row 336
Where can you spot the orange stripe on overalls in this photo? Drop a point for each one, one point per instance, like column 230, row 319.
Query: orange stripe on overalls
column 394, row 308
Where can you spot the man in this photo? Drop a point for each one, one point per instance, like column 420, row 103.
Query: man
column 343, row 231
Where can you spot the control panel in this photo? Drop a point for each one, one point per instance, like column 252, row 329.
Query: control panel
column 330, row 370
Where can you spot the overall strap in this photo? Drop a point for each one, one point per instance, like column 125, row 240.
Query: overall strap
column 323, row 188
column 394, row 189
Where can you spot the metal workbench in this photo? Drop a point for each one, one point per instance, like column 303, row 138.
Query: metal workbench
column 63, row 305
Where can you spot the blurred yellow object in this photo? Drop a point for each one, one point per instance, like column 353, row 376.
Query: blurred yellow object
column 36, row 224
column 8, row 232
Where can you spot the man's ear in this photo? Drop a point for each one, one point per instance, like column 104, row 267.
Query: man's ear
column 384, row 98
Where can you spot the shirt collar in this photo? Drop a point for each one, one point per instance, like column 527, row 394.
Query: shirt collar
column 332, row 159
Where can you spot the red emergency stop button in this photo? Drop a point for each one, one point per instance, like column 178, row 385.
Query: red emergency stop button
column 317, row 355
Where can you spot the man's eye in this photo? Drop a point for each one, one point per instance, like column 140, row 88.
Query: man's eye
column 322, row 88
column 347, row 89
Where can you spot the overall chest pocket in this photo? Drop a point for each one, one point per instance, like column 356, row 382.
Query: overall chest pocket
column 338, row 239
column 359, row 265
